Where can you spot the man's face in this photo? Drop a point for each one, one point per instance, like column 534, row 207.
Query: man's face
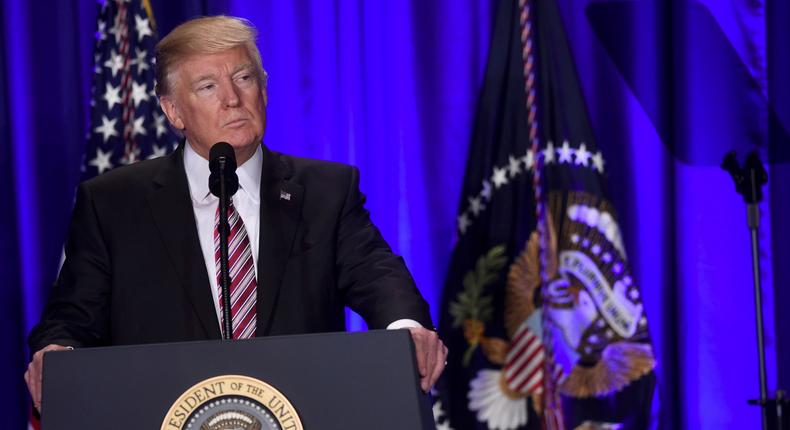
column 217, row 98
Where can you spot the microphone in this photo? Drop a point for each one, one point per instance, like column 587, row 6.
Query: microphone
column 222, row 163
column 223, row 183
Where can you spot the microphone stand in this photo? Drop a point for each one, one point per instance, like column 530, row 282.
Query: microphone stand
column 748, row 183
column 224, row 232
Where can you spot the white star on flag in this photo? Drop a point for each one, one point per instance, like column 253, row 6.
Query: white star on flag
column 96, row 66
column 112, row 95
column 548, row 154
column 114, row 63
column 101, row 32
column 583, row 155
column 486, row 192
column 102, row 161
column 158, row 151
column 139, row 93
column 597, row 160
column 463, row 222
column 499, row 177
column 131, row 157
column 564, row 153
column 514, row 166
column 137, row 127
column 140, row 60
column 159, row 123
column 528, row 159
column 115, row 30
column 143, row 29
column 107, row 128
column 475, row 205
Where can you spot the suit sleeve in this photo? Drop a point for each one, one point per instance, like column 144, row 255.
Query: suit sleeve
column 375, row 282
column 77, row 312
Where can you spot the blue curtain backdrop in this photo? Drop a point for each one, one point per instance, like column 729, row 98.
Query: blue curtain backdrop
column 391, row 87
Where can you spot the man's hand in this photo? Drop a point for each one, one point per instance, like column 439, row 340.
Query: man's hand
column 34, row 372
column 431, row 356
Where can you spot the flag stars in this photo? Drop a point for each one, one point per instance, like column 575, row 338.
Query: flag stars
column 139, row 93
column 102, row 161
column 101, row 32
column 140, row 60
column 114, row 63
column 499, row 178
column 564, row 153
column 514, row 166
column 112, row 95
column 116, row 32
column 107, row 128
column 463, row 222
column 138, row 127
column 159, row 123
column 143, row 29
column 475, row 205
column 583, row 155
column 158, row 151
column 597, row 161
column 131, row 156
column 548, row 154
column 528, row 159
column 486, row 191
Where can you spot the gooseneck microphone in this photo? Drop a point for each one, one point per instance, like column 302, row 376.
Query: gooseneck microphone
column 223, row 183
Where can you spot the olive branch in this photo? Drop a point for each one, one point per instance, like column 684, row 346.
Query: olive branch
column 471, row 308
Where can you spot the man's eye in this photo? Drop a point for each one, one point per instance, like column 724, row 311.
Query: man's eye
column 206, row 87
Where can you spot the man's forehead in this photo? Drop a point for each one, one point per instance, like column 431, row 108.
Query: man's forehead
column 232, row 60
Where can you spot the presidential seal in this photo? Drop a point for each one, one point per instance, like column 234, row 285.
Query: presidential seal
column 232, row 402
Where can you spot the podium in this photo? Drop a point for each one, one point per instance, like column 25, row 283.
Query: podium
column 318, row 381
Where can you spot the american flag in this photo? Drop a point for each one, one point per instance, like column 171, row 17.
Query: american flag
column 127, row 124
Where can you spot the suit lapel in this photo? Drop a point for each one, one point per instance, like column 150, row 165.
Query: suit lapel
column 281, row 205
column 172, row 210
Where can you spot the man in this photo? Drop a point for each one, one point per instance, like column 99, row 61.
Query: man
column 140, row 258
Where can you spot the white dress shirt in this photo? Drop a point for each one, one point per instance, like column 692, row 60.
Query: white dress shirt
column 247, row 202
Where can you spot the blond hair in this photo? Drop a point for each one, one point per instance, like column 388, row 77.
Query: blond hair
column 205, row 35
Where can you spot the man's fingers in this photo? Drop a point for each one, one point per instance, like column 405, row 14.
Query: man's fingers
column 439, row 364
column 34, row 373
column 34, row 377
column 431, row 354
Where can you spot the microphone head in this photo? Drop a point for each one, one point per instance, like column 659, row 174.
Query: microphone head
column 222, row 158
column 221, row 150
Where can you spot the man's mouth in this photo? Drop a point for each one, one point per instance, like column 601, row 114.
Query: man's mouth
column 235, row 123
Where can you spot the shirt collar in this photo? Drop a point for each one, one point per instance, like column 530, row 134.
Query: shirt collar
column 198, row 172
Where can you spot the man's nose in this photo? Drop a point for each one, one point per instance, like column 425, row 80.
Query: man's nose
column 230, row 94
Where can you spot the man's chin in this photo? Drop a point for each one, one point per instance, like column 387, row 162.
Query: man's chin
column 244, row 148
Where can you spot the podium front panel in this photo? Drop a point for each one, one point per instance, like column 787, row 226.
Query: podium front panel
column 333, row 381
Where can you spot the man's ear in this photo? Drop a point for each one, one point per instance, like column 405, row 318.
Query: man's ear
column 265, row 95
column 171, row 112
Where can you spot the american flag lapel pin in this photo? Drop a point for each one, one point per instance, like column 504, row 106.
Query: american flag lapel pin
column 285, row 196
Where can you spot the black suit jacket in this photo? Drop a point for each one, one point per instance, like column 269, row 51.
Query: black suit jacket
column 134, row 271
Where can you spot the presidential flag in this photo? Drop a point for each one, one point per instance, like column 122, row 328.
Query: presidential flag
column 542, row 315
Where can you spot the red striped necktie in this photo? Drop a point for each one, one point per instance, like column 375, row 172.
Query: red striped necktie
column 243, row 286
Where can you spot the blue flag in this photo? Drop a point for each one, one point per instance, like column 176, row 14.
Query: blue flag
column 544, row 319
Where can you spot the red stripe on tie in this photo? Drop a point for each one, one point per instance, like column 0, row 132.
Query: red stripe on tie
column 243, row 287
